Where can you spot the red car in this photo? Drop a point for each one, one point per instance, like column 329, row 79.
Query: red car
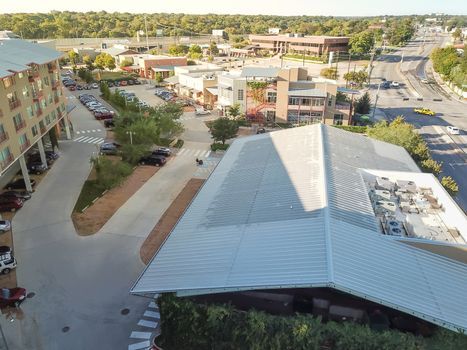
column 10, row 204
column 12, row 296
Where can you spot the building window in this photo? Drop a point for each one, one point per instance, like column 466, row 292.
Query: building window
column 240, row 95
column 13, row 100
column 47, row 119
column 5, row 156
column 46, row 81
column 270, row 116
column 25, row 92
column 330, row 101
column 272, row 97
column 8, row 81
column 53, row 115
column 305, row 102
column 295, row 101
column 50, row 99
column 18, row 121
column 34, row 131
column 338, row 118
column 23, row 141
column 39, row 84
column 317, row 102
column 43, row 103
column 30, row 112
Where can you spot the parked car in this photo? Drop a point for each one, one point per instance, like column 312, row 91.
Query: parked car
column 385, row 85
column 36, row 167
column 110, row 84
column 24, row 195
column 10, row 204
column 87, row 87
column 454, row 130
column 157, row 160
column 137, row 82
column 395, row 84
column 109, row 148
column 12, row 296
column 5, row 250
column 5, row 225
column 123, row 83
column 131, row 82
column 425, row 111
column 109, row 123
column 162, row 151
column 261, row 131
column 79, row 87
column 72, row 87
column 201, row 111
column 36, row 158
column 19, row 184
column 95, row 86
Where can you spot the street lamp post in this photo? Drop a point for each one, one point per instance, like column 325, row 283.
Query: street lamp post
column 376, row 101
column 131, row 136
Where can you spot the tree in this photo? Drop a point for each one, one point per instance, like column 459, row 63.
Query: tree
column 213, row 49
column 444, row 60
column 195, row 52
column 329, row 73
column 223, row 129
column 358, row 78
column 125, row 63
column 104, row 60
column 159, row 79
column 105, row 91
column 431, row 166
column 178, row 50
column 233, row 111
column 361, row 43
column 450, row 185
column 363, row 104
column 87, row 60
column 457, row 34
column 73, row 56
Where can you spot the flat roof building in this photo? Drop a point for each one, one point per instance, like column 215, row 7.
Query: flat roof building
column 294, row 210
column 311, row 45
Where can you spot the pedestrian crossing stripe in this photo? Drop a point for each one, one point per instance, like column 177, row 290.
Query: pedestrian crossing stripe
column 88, row 139
column 87, row 131
column 194, row 153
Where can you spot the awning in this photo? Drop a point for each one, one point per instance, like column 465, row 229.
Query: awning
column 307, row 93
column 155, row 69
column 213, row 91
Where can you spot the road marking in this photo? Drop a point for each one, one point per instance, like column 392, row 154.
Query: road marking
column 152, row 314
column 146, row 323
column 140, row 335
column 79, row 138
column 208, row 153
column 197, row 153
column 99, row 142
column 181, row 151
column 142, row 345
column 94, row 139
column 153, row 305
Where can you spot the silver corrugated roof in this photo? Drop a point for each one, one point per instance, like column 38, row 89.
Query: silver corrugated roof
column 260, row 72
column 290, row 209
column 16, row 55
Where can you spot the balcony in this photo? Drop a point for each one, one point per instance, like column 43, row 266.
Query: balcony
column 7, row 161
column 37, row 95
column 25, row 145
column 51, row 67
column 39, row 112
column 14, row 104
column 306, row 108
column 4, row 137
column 55, row 84
column 43, row 129
column 20, row 125
column 33, row 75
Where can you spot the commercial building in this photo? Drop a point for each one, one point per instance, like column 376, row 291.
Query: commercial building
column 148, row 66
column 327, row 219
column 311, row 45
column 31, row 101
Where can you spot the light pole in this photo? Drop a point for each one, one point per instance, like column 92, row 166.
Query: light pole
column 376, row 101
column 131, row 136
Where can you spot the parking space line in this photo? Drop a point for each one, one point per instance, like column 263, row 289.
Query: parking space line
column 152, row 314
column 142, row 345
column 153, row 305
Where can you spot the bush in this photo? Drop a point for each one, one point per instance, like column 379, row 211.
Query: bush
column 216, row 146
column 110, row 173
column 353, row 128
column 329, row 73
column 450, row 185
column 431, row 166
column 133, row 153
column 187, row 325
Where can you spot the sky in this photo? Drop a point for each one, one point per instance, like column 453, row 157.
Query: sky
column 264, row 7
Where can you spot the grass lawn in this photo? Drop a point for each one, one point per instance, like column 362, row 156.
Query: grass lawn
column 90, row 191
column 111, row 75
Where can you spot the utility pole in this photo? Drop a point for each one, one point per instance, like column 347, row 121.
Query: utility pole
column 370, row 68
column 146, row 30
column 348, row 71
column 376, row 101
column 337, row 65
column 131, row 136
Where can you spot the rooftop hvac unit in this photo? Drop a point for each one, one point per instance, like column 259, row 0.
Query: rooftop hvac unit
column 385, row 207
column 298, row 35
column 393, row 224
column 383, row 194
column 395, row 231
column 383, row 183
column 406, row 186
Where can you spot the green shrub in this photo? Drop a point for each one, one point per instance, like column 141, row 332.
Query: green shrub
column 110, row 173
column 450, row 185
column 216, row 146
column 179, row 144
column 431, row 166
column 353, row 128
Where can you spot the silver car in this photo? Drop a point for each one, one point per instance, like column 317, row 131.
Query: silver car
column 5, row 225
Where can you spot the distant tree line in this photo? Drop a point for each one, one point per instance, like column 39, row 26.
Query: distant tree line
column 102, row 24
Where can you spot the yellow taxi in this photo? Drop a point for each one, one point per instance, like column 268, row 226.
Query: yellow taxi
column 425, row 111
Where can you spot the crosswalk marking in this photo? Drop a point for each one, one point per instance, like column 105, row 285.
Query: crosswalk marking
column 207, row 154
column 152, row 314
column 142, row 345
column 181, row 151
column 89, row 139
column 140, row 335
column 146, row 323
column 153, row 305
column 197, row 153
column 194, row 152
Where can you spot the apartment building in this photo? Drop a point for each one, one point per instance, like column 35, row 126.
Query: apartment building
column 231, row 90
column 311, row 45
column 147, row 66
column 31, row 101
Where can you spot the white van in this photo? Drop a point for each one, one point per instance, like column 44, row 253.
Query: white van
column 453, row 130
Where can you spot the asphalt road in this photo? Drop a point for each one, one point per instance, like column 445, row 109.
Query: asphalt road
column 415, row 65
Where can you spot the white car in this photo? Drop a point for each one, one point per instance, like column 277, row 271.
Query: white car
column 453, row 130
column 394, row 84
column 5, row 225
column 200, row 111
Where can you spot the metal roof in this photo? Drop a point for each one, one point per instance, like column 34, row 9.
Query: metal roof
column 307, row 92
column 16, row 56
column 290, row 209
column 260, row 72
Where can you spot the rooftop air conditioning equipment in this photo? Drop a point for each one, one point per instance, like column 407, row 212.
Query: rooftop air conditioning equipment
column 386, row 206
column 383, row 194
column 406, row 186
column 383, row 183
column 395, row 231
